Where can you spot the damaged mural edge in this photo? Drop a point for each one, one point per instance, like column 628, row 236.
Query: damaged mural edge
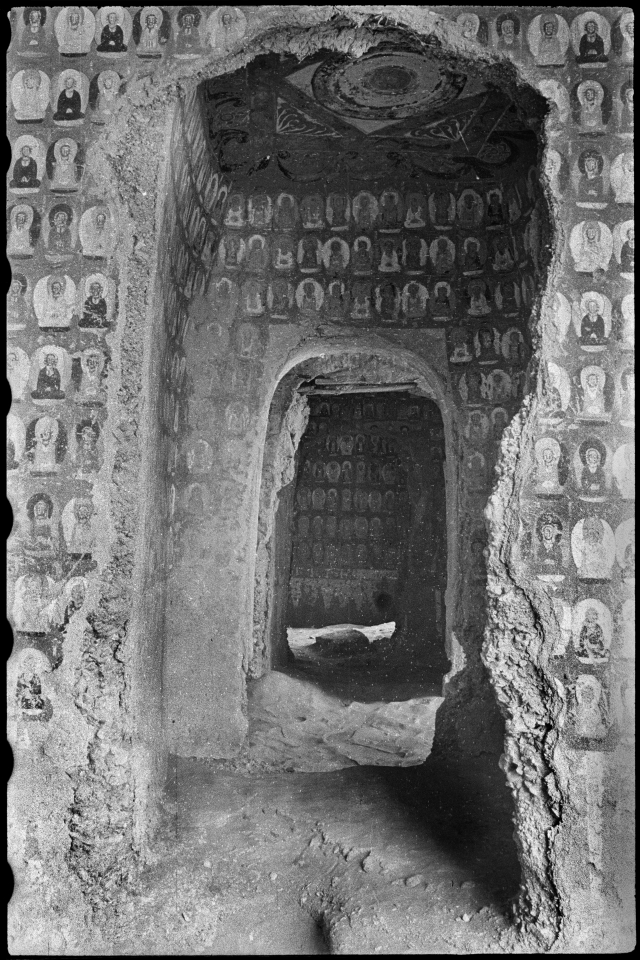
column 90, row 768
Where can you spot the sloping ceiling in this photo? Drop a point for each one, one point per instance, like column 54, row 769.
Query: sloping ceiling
column 392, row 108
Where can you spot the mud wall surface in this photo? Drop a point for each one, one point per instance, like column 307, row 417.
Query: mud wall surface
column 140, row 399
column 85, row 595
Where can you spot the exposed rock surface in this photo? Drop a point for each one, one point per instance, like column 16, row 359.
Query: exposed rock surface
column 294, row 725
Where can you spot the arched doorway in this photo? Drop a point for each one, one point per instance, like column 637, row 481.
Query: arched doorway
column 357, row 526
column 282, row 287
column 422, row 237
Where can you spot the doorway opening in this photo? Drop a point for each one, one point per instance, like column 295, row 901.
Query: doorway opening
column 354, row 220
column 355, row 233
column 352, row 564
column 368, row 543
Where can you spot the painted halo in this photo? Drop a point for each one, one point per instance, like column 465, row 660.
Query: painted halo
column 625, row 20
column 108, row 74
column 469, row 24
column 67, row 11
column 591, row 370
column 546, row 20
column 104, row 12
column 151, row 11
column 548, row 443
column 56, row 278
column 100, row 279
column 592, row 443
column 598, row 92
column 598, row 298
column 35, row 146
column 24, row 208
column 19, row 82
column 65, row 142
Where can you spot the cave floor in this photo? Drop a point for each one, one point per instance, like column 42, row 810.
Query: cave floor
column 360, row 860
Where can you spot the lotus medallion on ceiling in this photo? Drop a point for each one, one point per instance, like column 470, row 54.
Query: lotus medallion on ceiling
column 384, row 87
column 380, row 88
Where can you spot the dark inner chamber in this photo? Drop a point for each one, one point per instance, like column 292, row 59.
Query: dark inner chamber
column 369, row 518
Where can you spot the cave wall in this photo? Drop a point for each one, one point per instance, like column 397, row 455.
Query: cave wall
column 84, row 674
column 364, row 464
column 382, row 246
column 86, row 608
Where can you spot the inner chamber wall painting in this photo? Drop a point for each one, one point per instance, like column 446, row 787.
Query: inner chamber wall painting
column 370, row 530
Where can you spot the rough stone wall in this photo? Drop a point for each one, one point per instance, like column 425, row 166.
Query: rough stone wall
column 558, row 645
column 86, row 606
column 288, row 419
column 84, row 686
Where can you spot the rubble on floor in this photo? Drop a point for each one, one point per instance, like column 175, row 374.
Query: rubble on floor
column 365, row 860
column 295, row 725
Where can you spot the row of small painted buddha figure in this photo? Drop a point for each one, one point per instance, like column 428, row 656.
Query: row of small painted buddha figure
column 411, row 254
column 279, row 298
column 390, row 211
column 378, row 554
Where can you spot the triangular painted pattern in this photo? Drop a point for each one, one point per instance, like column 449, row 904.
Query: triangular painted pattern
column 291, row 121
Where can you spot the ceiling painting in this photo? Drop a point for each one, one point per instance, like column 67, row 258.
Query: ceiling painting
column 291, row 121
column 383, row 87
column 393, row 108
